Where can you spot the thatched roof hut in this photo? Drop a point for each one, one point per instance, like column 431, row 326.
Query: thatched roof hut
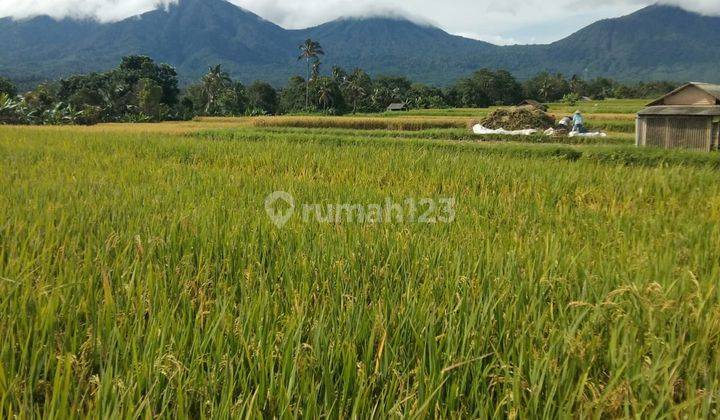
column 535, row 104
column 400, row 106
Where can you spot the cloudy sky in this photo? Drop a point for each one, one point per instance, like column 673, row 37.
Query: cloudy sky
column 503, row 22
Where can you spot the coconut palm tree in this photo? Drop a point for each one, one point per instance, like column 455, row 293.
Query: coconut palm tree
column 356, row 91
column 325, row 95
column 315, row 71
column 309, row 50
column 357, row 87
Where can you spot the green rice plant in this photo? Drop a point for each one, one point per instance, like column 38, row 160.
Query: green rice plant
column 608, row 106
column 360, row 123
column 141, row 277
column 450, row 134
column 618, row 126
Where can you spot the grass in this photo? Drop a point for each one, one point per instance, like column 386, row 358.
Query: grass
column 361, row 123
column 451, row 134
column 628, row 107
column 141, row 277
column 616, row 116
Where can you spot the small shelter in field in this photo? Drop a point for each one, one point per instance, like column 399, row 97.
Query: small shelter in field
column 535, row 104
column 397, row 107
column 688, row 117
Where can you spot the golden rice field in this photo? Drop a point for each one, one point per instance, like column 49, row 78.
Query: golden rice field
column 141, row 276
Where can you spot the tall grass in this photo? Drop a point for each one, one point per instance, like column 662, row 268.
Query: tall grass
column 361, row 123
column 608, row 106
column 450, row 134
column 140, row 277
column 617, row 126
column 409, row 123
column 613, row 151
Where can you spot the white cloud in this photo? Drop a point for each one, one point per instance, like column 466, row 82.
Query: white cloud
column 708, row 7
column 500, row 22
column 105, row 10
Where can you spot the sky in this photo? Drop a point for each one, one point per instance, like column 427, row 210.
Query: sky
column 500, row 22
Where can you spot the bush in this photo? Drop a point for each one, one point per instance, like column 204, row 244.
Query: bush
column 7, row 88
column 571, row 99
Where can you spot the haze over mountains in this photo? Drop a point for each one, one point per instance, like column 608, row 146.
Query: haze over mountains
column 658, row 42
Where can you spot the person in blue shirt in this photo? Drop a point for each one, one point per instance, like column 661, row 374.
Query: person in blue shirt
column 578, row 123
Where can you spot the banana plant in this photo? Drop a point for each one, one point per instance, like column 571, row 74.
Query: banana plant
column 10, row 111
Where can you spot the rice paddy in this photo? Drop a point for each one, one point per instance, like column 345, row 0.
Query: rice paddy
column 141, row 277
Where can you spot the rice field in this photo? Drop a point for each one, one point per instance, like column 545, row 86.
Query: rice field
column 141, row 277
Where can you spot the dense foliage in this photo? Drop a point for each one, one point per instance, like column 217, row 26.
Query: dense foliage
column 140, row 90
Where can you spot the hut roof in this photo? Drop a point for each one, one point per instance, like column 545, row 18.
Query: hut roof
column 709, row 89
column 675, row 110
column 533, row 103
column 397, row 106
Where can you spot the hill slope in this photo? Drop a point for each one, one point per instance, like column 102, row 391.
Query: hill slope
column 191, row 35
column 658, row 42
column 399, row 47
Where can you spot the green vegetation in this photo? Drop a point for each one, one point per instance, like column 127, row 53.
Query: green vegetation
column 310, row 50
column 6, row 87
column 140, row 90
column 444, row 134
column 141, row 277
column 366, row 123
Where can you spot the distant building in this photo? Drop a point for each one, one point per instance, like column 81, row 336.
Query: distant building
column 535, row 104
column 688, row 117
column 397, row 107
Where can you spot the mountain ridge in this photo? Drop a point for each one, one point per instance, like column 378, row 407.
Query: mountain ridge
column 657, row 42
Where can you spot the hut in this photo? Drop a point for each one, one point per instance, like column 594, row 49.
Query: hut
column 535, row 104
column 688, row 117
column 397, row 107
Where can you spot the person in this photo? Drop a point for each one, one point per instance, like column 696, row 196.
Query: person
column 565, row 122
column 578, row 122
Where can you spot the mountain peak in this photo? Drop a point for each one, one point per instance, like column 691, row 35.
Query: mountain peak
column 388, row 15
column 189, row 3
column 657, row 42
column 217, row 5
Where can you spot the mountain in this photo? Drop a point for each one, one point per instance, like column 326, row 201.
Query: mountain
column 657, row 42
column 26, row 46
column 399, row 47
column 191, row 35
column 195, row 34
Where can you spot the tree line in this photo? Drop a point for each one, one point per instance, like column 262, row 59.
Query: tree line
column 141, row 90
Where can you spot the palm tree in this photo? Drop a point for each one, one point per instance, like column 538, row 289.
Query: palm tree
column 325, row 95
column 315, row 71
column 357, row 86
column 356, row 91
column 309, row 50
column 339, row 75
column 213, row 85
